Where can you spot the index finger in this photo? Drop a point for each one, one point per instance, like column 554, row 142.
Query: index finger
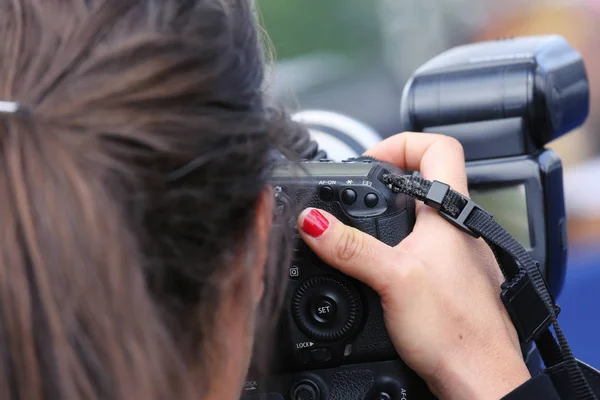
column 437, row 157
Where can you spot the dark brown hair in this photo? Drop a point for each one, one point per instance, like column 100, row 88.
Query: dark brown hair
column 127, row 189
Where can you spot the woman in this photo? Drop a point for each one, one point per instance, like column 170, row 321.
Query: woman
column 137, row 222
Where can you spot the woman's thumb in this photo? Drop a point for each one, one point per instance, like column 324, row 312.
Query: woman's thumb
column 345, row 248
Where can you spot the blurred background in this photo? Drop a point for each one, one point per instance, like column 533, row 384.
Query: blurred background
column 354, row 57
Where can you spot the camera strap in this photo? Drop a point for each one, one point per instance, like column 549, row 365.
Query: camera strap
column 524, row 292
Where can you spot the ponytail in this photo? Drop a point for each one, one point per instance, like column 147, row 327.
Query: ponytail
column 72, row 293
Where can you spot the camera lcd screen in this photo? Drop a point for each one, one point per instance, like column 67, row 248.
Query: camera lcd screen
column 358, row 170
column 508, row 204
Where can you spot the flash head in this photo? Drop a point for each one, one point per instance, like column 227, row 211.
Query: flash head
column 499, row 98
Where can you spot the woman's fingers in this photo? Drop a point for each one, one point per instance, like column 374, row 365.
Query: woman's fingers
column 347, row 249
column 437, row 157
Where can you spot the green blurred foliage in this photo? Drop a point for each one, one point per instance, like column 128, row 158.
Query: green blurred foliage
column 298, row 27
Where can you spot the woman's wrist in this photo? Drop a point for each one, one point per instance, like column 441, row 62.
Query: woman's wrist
column 489, row 379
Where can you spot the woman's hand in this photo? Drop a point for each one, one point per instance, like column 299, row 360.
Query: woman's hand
column 440, row 288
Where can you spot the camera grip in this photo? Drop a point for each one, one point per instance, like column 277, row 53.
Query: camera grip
column 346, row 385
column 391, row 229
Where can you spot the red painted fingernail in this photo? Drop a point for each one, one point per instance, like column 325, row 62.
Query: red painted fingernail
column 314, row 224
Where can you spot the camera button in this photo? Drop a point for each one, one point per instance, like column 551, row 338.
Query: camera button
column 320, row 355
column 349, row 196
column 326, row 193
column 294, row 272
column 371, row 200
column 325, row 310
column 306, row 390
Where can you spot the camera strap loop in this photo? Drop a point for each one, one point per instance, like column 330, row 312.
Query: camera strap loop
column 524, row 292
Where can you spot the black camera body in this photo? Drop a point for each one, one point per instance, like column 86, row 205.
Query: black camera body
column 331, row 318
column 332, row 324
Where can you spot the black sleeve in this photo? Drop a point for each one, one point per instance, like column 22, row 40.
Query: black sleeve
column 540, row 387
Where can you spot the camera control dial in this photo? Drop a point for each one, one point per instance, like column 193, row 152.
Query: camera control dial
column 325, row 308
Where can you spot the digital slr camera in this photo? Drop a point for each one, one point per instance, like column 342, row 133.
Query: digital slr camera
column 504, row 100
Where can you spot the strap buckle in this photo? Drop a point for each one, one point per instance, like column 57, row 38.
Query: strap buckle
column 528, row 312
column 435, row 197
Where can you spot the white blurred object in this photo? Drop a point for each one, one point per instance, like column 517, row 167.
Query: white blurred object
column 582, row 190
column 340, row 136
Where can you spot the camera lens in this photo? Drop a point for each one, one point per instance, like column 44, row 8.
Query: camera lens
column 325, row 308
